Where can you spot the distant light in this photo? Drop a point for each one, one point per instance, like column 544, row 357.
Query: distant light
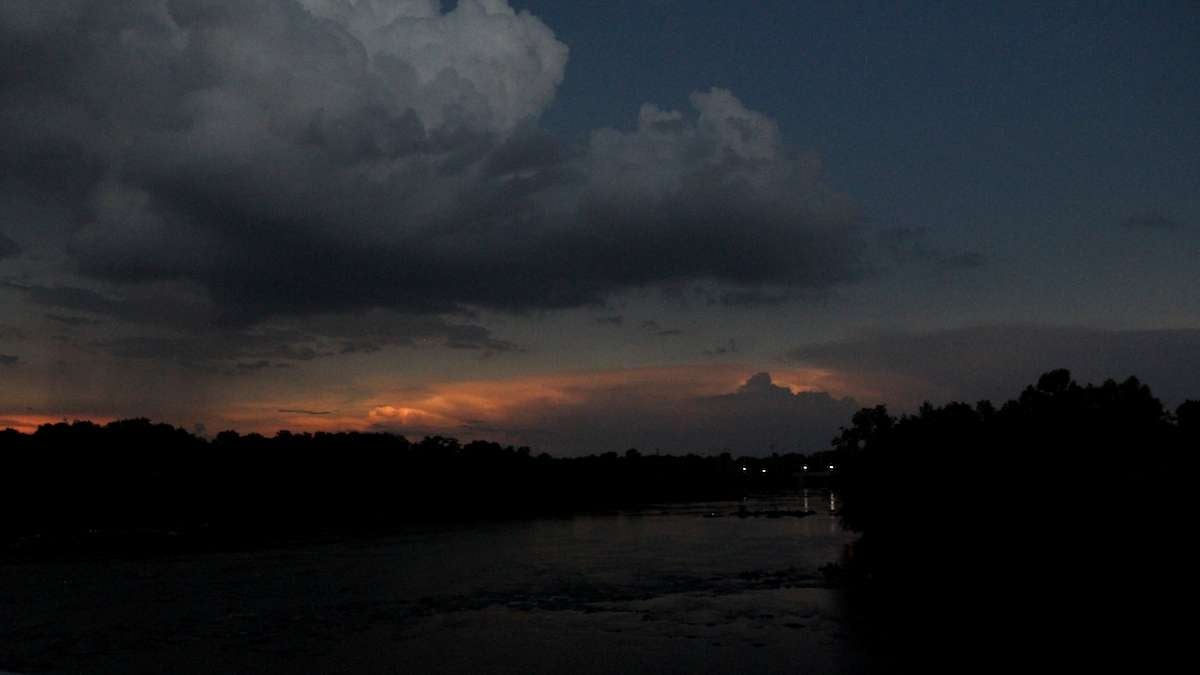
column 804, row 468
column 831, row 467
column 764, row 470
column 743, row 468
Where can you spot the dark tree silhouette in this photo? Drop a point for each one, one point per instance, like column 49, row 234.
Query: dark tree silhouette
column 135, row 483
column 993, row 529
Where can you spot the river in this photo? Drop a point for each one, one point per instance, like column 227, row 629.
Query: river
column 663, row 589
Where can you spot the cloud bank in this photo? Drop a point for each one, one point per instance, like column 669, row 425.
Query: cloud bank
column 291, row 157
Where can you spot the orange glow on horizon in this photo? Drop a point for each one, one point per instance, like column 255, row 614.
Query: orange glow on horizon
column 455, row 407
column 489, row 408
column 27, row 423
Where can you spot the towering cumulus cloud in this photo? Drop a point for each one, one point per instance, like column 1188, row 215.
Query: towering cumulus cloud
column 288, row 157
column 482, row 64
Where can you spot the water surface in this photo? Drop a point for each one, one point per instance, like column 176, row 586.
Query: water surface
column 671, row 588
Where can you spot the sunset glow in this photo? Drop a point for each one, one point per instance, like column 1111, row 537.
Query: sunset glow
column 29, row 423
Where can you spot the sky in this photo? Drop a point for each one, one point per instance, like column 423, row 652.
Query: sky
column 590, row 225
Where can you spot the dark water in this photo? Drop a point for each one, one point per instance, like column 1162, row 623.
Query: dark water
column 662, row 589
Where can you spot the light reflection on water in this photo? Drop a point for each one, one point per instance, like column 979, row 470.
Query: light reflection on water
column 700, row 538
column 804, row 499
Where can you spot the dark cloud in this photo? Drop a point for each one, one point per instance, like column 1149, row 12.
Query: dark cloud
column 186, row 333
column 296, row 157
column 996, row 362
column 8, row 247
column 320, row 337
column 611, row 320
column 69, row 297
column 1151, row 221
column 8, row 360
column 316, row 413
column 138, row 306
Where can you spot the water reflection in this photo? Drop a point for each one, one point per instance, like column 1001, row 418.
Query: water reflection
column 807, row 496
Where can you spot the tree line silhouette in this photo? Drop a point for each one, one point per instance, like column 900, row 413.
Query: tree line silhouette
column 1060, row 450
column 137, row 483
column 1052, row 524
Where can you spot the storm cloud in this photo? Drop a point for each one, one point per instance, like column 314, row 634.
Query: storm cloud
column 292, row 157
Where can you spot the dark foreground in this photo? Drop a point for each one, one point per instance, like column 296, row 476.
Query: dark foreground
column 662, row 590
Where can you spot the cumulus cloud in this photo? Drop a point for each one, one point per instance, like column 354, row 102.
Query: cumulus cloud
column 291, row 157
column 481, row 64
column 997, row 361
column 767, row 416
column 678, row 409
column 714, row 195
